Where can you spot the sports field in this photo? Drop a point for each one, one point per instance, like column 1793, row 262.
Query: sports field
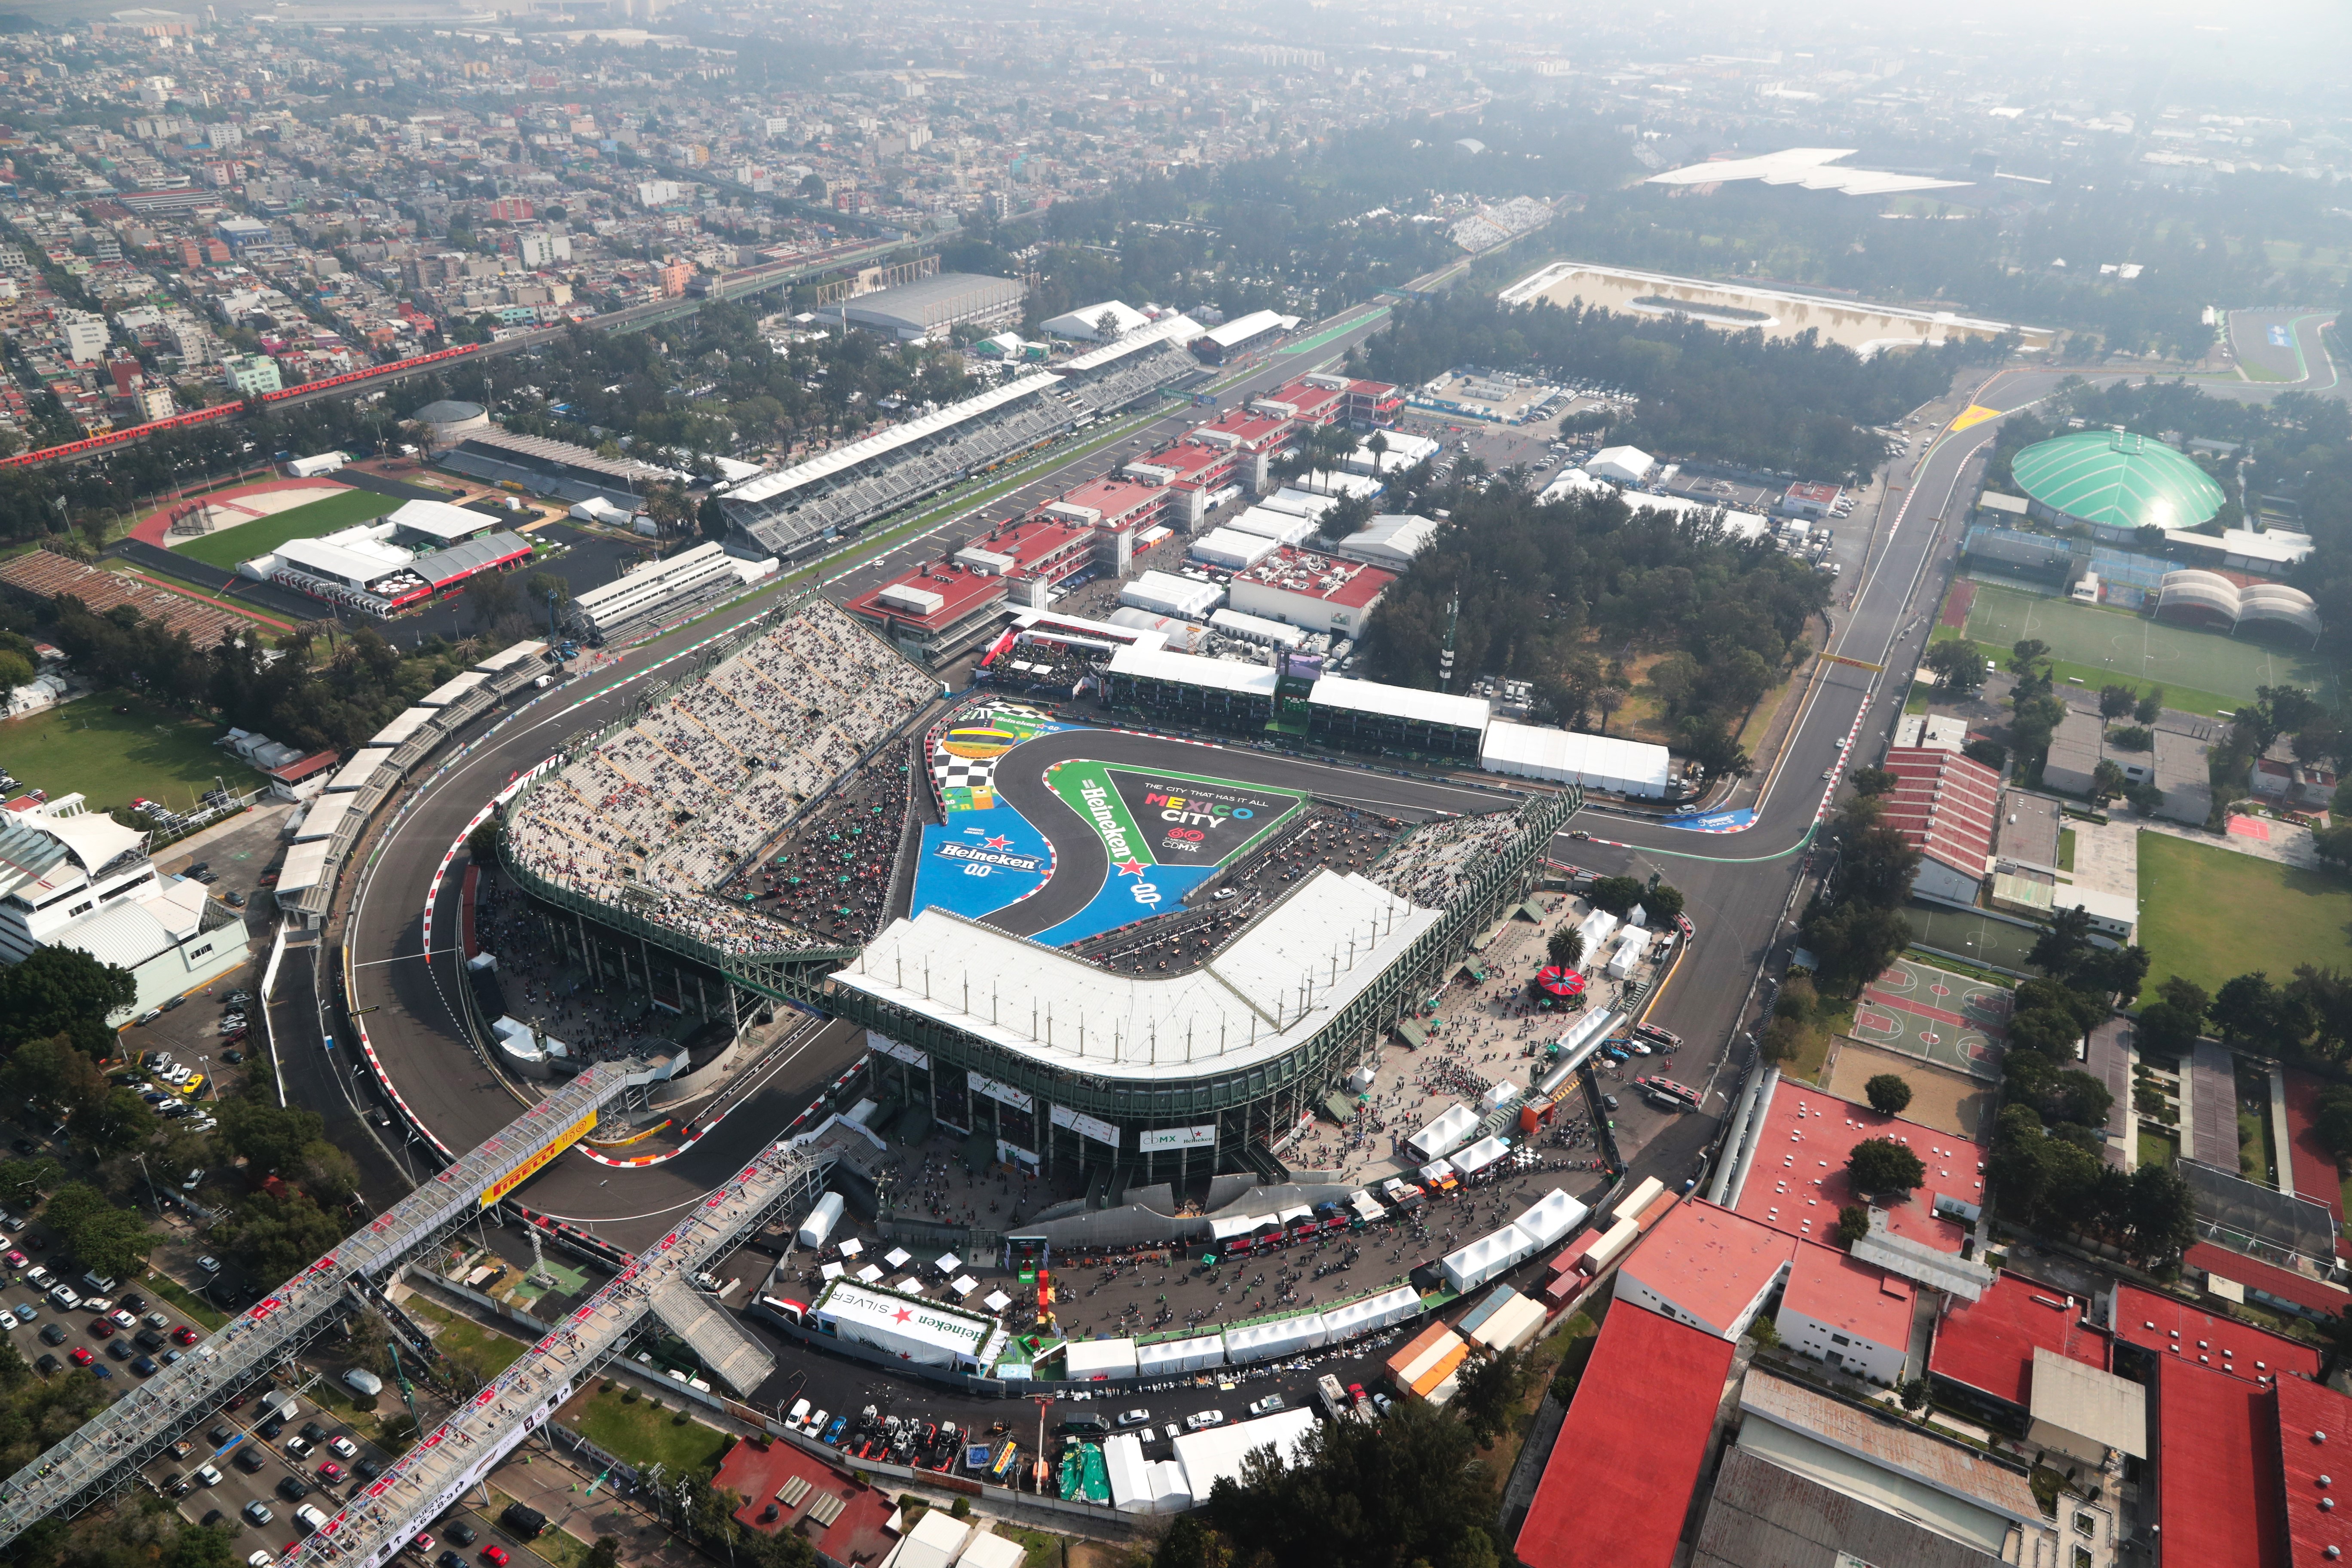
column 2201, row 671
column 262, row 534
column 1952, row 1020
column 2213, row 914
column 85, row 745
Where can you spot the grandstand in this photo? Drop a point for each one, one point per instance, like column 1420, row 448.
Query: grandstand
column 649, row 817
column 1137, row 366
column 794, row 513
column 1163, row 1069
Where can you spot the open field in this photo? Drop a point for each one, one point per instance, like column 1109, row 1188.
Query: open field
column 643, row 1433
column 2102, row 644
column 228, row 546
column 112, row 757
column 2211, row 914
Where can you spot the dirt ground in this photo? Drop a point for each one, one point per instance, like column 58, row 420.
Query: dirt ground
column 1947, row 1100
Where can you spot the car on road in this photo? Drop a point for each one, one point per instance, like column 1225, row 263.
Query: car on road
column 423, row 1541
column 330, row 1473
column 257, row 1512
column 250, row 1460
column 1134, row 1418
column 340, row 1446
column 48, row 1365
column 1266, row 1407
column 206, row 1476
column 450, row 1560
column 124, row 1319
column 297, row 1446
column 1199, row 1420
column 100, row 1328
column 459, row 1531
column 495, row 1555
column 79, row 1355
column 53, row 1333
column 144, row 1366
column 184, row 1335
column 293, row 1489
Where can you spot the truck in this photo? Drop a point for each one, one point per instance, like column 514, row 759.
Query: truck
column 1333, row 1398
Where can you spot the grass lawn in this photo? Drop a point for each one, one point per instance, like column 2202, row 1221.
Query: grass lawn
column 2201, row 671
column 2212, row 914
column 490, row 1352
column 636, row 1431
column 2155, row 1149
column 228, row 546
column 2066, row 850
column 187, row 1300
column 112, row 757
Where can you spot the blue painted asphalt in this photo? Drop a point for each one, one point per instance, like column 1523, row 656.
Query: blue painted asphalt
column 981, row 861
column 1738, row 821
column 1127, row 898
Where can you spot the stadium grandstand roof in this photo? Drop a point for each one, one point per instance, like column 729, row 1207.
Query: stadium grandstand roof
column 1404, row 702
column 2117, row 480
column 1807, row 166
column 1241, row 328
column 1176, row 329
column 1269, row 992
column 841, row 459
column 539, row 452
column 929, row 303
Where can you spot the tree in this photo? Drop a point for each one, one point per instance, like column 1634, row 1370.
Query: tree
column 1565, row 947
column 2025, row 653
column 113, row 1241
column 2249, row 1011
column 1664, row 901
column 2167, row 1030
column 1960, row 663
column 2185, row 994
column 1618, row 894
column 1606, row 702
column 2115, row 701
column 2150, row 708
column 1854, row 941
column 1888, row 1092
column 2061, row 948
column 2159, row 1215
column 1875, row 862
column 604, row 1553
column 1490, row 1391
column 2325, row 997
column 2107, row 781
column 1190, row 1543
column 1872, row 780
column 2145, row 797
column 1883, row 1165
column 1852, row 1223
column 57, row 987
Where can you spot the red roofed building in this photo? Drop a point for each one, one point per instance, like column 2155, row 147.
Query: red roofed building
column 2218, row 1472
column 1300, row 588
column 1846, row 1313
column 1036, row 549
column 304, row 776
column 839, row 1515
column 1706, row 1267
column 2313, row 1435
column 1374, row 403
column 1310, row 401
column 2312, row 1166
column 1191, row 473
column 1616, row 1491
column 1984, row 1348
column 2288, row 1290
column 1797, row 1181
column 2150, row 1326
column 934, row 612
column 1947, row 807
column 1121, row 513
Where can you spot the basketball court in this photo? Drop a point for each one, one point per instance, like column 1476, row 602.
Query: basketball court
column 1916, row 1010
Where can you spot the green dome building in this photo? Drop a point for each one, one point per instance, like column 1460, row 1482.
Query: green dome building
column 2114, row 482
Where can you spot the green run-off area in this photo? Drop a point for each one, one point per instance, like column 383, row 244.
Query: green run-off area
column 1150, row 818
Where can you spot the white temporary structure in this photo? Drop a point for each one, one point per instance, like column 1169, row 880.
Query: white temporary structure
column 1445, row 1134
column 1279, row 1337
column 1550, row 1217
column 1566, row 756
column 1496, row 1252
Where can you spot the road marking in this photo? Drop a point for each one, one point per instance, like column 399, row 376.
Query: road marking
column 1974, row 414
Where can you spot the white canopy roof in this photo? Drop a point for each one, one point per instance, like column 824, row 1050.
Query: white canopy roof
column 1281, row 1337
column 1492, row 1254
column 1445, row 1134
column 1100, row 1358
column 1370, row 1313
column 1181, row 1355
column 1550, row 1217
column 1297, row 966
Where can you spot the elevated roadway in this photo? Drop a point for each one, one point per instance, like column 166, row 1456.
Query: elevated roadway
column 105, row 1451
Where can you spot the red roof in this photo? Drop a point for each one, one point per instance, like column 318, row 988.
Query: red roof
column 1250, row 432
column 2284, row 1284
column 2167, row 1324
column 1797, row 1183
column 2218, row 1470
column 758, row 1474
column 1185, row 463
column 2315, row 1175
column 1944, row 804
column 1116, row 500
column 1829, row 1287
column 302, row 768
column 1618, row 1484
column 1709, row 1261
column 1989, row 1344
column 2315, row 1435
column 1312, row 402
column 963, row 591
column 1034, row 540
column 1325, row 577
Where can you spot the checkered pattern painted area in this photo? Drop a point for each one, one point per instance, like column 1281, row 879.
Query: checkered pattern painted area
column 963, row 773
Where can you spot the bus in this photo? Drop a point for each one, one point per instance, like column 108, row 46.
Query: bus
column 1665, row 1090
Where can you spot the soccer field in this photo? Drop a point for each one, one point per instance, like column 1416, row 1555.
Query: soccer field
column 2201, row 671
column 228, row 546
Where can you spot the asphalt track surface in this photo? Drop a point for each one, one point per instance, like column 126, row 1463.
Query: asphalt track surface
column 415, row 1021
column 1738, row 887
column 1081, row 864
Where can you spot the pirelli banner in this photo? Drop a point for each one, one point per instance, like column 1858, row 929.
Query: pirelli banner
column 530, row 1167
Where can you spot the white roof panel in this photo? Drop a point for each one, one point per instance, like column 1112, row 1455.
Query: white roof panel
column 356, row 773
column 1445, row 1134
column 451, row 689
column 324, row 817
column 842, row 459
column 1402, row 701
column 1191, row 669
column 1178, row 330
column 439, row 519
column 407, row 723
column 1217, row 1454
column 304, row 863
column 1100, row 1358
column 1551, row 1216
column 1246, row 1005
column 507, row 657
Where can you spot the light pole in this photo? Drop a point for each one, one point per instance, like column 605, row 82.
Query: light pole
column 150, row 1184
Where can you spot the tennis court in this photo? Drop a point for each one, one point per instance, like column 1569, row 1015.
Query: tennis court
column 1917, row 1010
column 2107, row 645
